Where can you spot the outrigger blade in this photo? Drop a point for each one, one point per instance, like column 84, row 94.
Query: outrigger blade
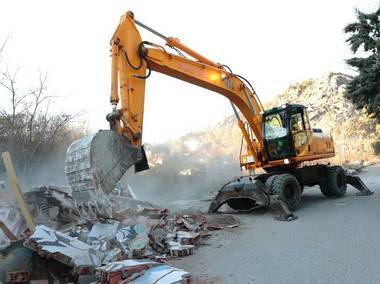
column 246, row 194
column 284, row 214
column 242, row 194
column 356, row 182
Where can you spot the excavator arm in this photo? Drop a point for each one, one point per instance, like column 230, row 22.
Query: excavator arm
column 134, row 59
column 95, row 163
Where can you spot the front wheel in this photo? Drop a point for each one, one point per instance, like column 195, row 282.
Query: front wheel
column 288, row 189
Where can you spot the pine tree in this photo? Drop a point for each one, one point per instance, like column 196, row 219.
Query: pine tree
column 364, row 89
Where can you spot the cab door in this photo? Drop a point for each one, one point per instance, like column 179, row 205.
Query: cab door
column 300, row 131
column 277, row 139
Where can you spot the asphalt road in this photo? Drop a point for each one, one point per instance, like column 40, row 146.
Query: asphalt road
column 332, row 241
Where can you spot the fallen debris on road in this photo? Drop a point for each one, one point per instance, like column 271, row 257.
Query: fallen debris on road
column 70, row 251
column 141, row 271
column 132, row 247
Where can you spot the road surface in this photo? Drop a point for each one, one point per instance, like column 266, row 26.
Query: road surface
column 332, row 241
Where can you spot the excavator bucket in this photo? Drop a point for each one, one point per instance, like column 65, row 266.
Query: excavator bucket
column 93, row 166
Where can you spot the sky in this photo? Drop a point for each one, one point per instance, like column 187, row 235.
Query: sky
column 271, row 43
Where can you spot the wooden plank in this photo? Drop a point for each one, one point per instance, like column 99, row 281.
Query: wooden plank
column 17, row 190
column 7, row 232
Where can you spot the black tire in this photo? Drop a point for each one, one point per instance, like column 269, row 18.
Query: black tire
column 325, row 189
column 336, row 182
column 288, row 190
column 269, row 183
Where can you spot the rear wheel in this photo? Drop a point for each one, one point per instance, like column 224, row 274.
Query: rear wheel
column 286, row 186
column 336, row 182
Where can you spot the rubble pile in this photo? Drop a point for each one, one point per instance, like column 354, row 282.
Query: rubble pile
column 132, row 246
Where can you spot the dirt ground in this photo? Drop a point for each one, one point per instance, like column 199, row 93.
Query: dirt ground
column 334, row 240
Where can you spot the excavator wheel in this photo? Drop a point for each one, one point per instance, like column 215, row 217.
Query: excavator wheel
column 269, row 183
column 336, row 182
column 287, row 188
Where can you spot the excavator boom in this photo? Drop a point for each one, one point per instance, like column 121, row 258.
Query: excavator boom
column 132, row 58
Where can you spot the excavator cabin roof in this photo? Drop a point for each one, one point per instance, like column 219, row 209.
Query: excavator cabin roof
column 288, row 107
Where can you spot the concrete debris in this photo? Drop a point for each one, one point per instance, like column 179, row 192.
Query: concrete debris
column 163, row 274
column 218, row 222
column 124, row 270
column 63, row 248
column 158, row 238
column 214, row 227
column 140, row 272
column 132, row 247
column 178, row 250
column 52, row 206
column 104, row 230
column 12, row 218
column 18, row 259
column 186, row 223
column 17, row 277
column 188, row 238
column 134, row 240
column 19, row 263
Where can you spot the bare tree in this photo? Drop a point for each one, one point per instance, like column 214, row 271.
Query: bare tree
column 2, row 46
column 28, row 127
column 8, row 81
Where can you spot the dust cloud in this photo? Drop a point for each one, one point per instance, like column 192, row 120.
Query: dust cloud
column 181, row 176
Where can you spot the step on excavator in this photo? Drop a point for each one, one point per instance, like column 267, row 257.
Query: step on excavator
column 280, row 141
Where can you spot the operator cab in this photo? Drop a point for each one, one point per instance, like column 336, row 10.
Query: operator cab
column 285, row 130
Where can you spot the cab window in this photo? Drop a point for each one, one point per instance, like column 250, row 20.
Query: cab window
column 276, row 135
column 296, row 123
column 274, row 127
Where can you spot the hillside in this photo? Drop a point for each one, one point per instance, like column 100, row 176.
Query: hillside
column 353, row 131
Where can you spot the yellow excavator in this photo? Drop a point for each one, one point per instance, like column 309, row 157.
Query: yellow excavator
column 280, row 140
